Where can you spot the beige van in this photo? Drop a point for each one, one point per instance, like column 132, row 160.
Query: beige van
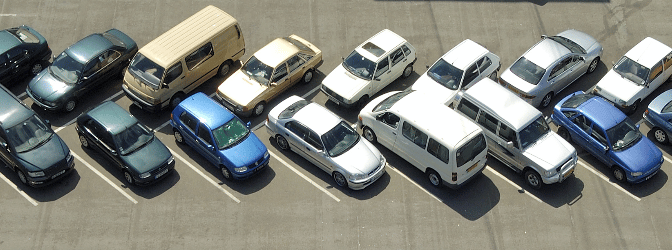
column 175, row 63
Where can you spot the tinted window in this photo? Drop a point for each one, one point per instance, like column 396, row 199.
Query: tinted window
column 173, row 72
column 383, row 66
column 527, row 70
column 147, row 70
column 189, row 121
column 484, row 63
column 445, row 74
column 280, row 72
column 468, row 108
column 231, row 133
column 396, row 56
column 295, row 62
column 389, row 119
column 470, row 150
column 292, row 109
column 470, row 74
column 508, row 134
column 415, row 135
column 489, row 122
column 28, row 134
column 204, row 134
column 391, row 100
column 196, row 57
column 132, row 138
column 437, row 150
column 576, row 100
column 339, row 139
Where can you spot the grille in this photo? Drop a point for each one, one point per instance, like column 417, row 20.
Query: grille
column 374, row 171
column 332, row 94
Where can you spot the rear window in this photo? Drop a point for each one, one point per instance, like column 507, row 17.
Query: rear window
column 576, row 100
column 296, row 43
column 470, row 150
column 293, row 109
column 667, row 108
column 527, row 70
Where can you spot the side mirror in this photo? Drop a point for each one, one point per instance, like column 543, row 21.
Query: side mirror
column 53, row 57
column 583, row 58
column 427, row 66
column 4, row 145
column 509, row 145
column 638, row 124
column 113, row 152
column 164, row 86
column 248, row 124
column 273, row 84
column 47, row 122
column 342, row 58
column 543, row 36
column 606, row 148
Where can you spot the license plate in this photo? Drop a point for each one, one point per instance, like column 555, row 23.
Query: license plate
column 649, row 177
column 58, row 174
column 161, row 173
column 568, row 173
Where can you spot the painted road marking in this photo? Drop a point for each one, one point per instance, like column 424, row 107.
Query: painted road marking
column 512, row 183
column 413, row 182
column 73, row 120
column 304, row 177
column 204, row 176
column 104, row 178
column 30, row 199
column 609, row 181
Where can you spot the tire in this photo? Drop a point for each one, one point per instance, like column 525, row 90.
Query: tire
column 533, row 179
column 226, row 173
column 307, row 77
column 369, row 135
column 407, row 71
column 363, row 101
column 619, row 174
column 632, row 108
column 562, row 132
column 84, row 141
column 36, row 68
column 282, row 142
column 70, row 105
column 259, row 109
column 178, row 136
column 224, row 68
column 660, row 136
column 128, row 177
column 546, row 100
column 593, row 65
column 340, row 179
column 176, row 100
column 434, row 178
column 22, row 177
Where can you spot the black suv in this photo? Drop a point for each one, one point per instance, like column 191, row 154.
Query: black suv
column 29, row 146
column 23, row 52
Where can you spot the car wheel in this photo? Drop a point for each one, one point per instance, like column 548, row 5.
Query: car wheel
column 407, row 71
column 369, row 134
column 546, row 100
column 226, row 173
column 660, row 135
column 178, row 136
column 70, row 105
column 259, row 108
column 593, row 65
column 176, row 100
column 128, row 177
column 340, row 179
column 564, row 133
column 282, row 142
column 308, row 76
column 619, row 174
column 224, row 68
column 434, row 178
column 37, row 68
column 84, row 141
column 363, row 101
column 533, row 179
column 22, row 177
column 632, row 108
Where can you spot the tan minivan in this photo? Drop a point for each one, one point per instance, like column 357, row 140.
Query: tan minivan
column 175, row 63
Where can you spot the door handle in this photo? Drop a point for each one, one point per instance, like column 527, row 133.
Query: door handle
column 404, row 60
column 307, row 148
column 393, row 133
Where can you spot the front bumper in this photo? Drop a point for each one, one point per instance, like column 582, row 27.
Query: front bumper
column 39, row 102
column 141, row 103
column 48, row 180
column 361, row 184
column 233, row 108
column 250, row 172
column 566, row 171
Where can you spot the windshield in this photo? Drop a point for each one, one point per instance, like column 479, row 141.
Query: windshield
column 631, row 70
column 446, row 74
column 569, row 44
column 28, row 134
column 527, row 70
column 339, row 139
column 66, row 68
column 530, row 134
column 258, row 70
column 391, row 100
column 359, row 66
column 623, row 135
column 132, row 138
column 230, row 133
column 147, row 70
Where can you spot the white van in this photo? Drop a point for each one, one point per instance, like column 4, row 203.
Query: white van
column 518, row 135
column 165, row 70
column 449, row 148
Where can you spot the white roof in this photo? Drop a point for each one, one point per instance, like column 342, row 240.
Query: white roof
column 546, row 52
column 385, row 39
column 435, row 118
column 464, row 54
column 503, row 103
column 317, row 118
column 648, row 52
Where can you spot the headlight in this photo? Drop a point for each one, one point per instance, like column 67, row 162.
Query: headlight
column 145, row 175
column 36, row 174
column 171, row 160
column 358, row 176
column 266, row 154
column 549, row 173
column 620, row 102
column 382, row 160
column 635, row 174
column 69, row 157
column 240, row 169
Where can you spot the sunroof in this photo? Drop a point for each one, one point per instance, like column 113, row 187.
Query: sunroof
column 373, row 49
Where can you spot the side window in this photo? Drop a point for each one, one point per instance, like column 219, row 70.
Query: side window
column 90, row 68
column 204, row 134
column 656, row 71
column 470, row 74
column 437, row 150
column 15, row 54
column 173, row 73
column 383, row 66
column 198, row 56
column 295, row 62
column 3, row 59
column 237, row 31
column 558, row 69
column 599, row 136
column 582, row 122
column 668, row 61
column 280, row 72
column 305, row 57
column 484, row 63
column 415, row 135
column 407, row 51
column 296, row 129
column 189, row 121
column 314, row 140
column 389, row 119
column 569, row 114
column 468, row 108
column 396, row 56
column 488, row 122
column 99, row 132
column 108, row 57
column 508, row 134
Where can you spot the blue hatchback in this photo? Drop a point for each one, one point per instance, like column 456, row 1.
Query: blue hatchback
column 658, row 116
column 609, row 135
column 219, row 136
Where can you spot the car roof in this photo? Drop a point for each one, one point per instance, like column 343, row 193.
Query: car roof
column 12, row 111
column 503, row 103
column 276, row 52
column 206, row 110
column 385, row 39
column 464, row 54
column 8, row 41
column 601, row 112
column 112, row 117
column 317, row 118
column 648, row 52
column 546, row 52
column 661, row 101
column 439, row 120
column 89, row 47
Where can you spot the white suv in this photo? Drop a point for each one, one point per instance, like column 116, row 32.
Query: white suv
column 369, row 68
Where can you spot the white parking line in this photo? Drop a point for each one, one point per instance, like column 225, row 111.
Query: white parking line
column 74, row 119
column 104, row 178
column 204, row 176
column 667, row 159
column 413, row 182
column 607, row 180
column 304, row 177
column 512, row 183
column 30, row 199
column 20, row 96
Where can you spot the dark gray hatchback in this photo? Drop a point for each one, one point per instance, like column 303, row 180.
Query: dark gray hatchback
column 29, row 146
column 23, row 52
column 122, row 139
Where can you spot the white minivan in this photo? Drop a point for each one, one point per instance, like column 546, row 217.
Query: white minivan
column 449, row 148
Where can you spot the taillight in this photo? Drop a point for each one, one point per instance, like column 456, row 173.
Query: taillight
column 454, row 176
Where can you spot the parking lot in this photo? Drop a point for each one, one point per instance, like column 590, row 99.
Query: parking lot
column 294, row 204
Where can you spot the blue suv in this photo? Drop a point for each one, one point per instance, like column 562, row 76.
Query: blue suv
column 219, row 136
column 609, row 135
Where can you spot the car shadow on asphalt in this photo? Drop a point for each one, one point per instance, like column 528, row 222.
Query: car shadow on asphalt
column 48, row 193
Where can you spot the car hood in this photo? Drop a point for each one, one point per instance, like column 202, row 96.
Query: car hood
column 46, row 155
column 550, row 151
column 361, row 158
column 48, row 87
column 241, row 89
column 517, row 82
column 344, row 83
column 149, row 157
column 640, row 157
column 614, row 86
column 428, row 85
column 246, row 152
